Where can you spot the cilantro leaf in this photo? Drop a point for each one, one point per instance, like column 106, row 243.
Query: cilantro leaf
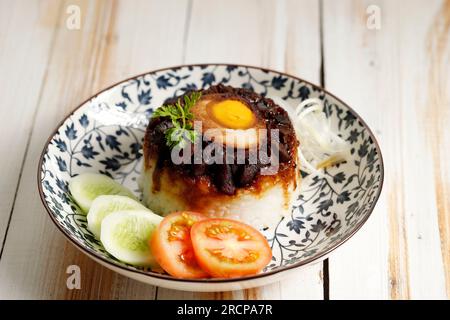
column 181, row 117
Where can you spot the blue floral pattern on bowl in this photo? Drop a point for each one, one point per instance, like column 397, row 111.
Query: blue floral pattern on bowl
column 105, row 135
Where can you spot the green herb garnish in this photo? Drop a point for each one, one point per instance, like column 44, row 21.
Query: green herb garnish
column 181, row 117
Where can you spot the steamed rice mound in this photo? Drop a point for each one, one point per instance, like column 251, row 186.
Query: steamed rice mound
column 235, row 191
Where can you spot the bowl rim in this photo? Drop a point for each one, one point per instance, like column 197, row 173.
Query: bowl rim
column 161, row 276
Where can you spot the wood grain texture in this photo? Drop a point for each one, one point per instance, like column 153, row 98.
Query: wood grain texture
column 283, row 35
column 36, row 255
column 396, row 78
column 437, row 115
column 35, row 23
column 387, row 76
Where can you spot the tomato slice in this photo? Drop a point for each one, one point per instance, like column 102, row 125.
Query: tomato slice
column 172, row 247
column 226, row 248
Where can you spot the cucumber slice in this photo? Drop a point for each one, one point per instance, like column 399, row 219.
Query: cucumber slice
column 88, row 186
column 126, row 236
column 105, row 205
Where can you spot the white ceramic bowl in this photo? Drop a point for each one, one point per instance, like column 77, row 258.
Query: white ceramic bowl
column 104, row 134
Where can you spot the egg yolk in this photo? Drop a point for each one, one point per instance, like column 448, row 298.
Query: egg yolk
column 232, row 114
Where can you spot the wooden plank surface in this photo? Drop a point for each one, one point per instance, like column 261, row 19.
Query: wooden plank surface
column 106, row 48
column 396, row 77
column 20, row 17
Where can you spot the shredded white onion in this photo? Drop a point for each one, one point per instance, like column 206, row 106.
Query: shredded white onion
column 320, row 146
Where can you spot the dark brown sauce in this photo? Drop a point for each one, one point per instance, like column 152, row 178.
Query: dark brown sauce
column 200, row 194
column 225, row 180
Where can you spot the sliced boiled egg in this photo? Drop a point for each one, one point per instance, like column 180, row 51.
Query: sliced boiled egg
column 228, row 120
column 231, row 114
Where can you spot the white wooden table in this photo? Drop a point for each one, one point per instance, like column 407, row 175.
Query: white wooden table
column 393, row 70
